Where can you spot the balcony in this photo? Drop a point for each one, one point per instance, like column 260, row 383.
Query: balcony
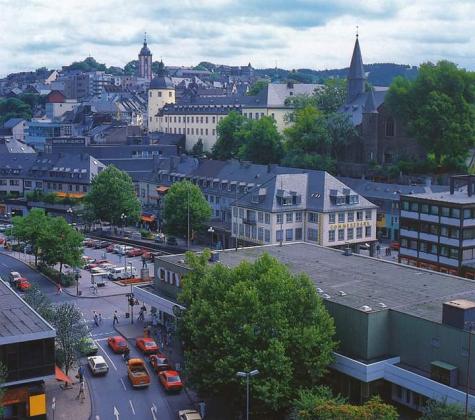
column 405, row 233
column 410, row 214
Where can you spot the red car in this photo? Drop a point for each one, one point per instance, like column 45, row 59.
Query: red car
column 118, row 344
column 135, row 252
column 159, row 362
column 22, row 284
column 395, row 245
column 110, row 248
column 146, row 345
column 170, row 380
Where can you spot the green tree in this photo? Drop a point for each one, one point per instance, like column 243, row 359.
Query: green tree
column 131, row 67
column 61, row 244
column 185, row 198
column 254, row 316
column 14, row 108
column 320, row 404
column 112, row 194
column 70, row 330
column 262, row 142
column 230, row 136
column 88, row 64
column 331, row 96
column 435, row 410
column 197, row 149
column 31, row 228
column 341, row 132
column 3, row 378
column 257, row 86
column 39, row 302
column 438, row 107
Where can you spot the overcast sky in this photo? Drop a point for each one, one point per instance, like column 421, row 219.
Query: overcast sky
column 315, row 34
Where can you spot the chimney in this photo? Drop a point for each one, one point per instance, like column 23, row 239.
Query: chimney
column 458, row 313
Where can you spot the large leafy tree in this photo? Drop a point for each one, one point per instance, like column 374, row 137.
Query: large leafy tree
column 331, row 96
column 61, row 244
column 184, row 200
column 70, row 330
column 254, row 316
column 230, row 136
column 31, row 228
column 438, row 107
column 262, row 142
column 257, row 86
column 113, row 194
column 435, row 410
column 14, row 108
column 39, row 302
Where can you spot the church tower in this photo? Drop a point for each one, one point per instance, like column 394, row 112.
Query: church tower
column 160, row 93
column 356, row 75
column 145, row 61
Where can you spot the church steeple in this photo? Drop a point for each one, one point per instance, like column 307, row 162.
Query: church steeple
column 356, row 75
column 370, row 104
column 145, row 61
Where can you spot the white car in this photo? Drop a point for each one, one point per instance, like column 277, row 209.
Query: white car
column 98, row 365
column 189, row 415
column 14, row 276
column 107, row 266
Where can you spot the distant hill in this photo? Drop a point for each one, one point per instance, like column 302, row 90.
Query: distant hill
column 379, row 74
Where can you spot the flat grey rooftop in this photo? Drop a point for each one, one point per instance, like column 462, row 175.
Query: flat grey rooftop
column 458, row 197
column 18, row 321
column 365, row 281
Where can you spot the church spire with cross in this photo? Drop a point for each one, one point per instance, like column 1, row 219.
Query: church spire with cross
column 145, row 61
column 356, row 74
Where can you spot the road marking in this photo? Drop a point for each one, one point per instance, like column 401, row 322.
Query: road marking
column 132, row 407
column 121, row 380
column 105, row 353
column 154, row 411
column 116, row 413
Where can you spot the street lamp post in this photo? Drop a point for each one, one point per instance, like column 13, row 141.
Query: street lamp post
column 247, row 375
column 211, row 231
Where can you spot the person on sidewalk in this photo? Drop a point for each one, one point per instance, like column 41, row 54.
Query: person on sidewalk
column 96, row 318
column 116, row 319
column 59, row 289
column 141, row 314
column 100, row 318
column 81, row 373
column 81, row 395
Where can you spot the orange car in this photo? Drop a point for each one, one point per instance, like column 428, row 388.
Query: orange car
column 22, row 284
column 159, row 362
column 146, row 345
column 170, row 380
column 118, row 344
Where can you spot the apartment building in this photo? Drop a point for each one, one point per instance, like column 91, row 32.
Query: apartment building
column 438, row 229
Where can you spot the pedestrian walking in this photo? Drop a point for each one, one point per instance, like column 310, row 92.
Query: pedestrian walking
column 116, row 319
column 100, row 318
column 81, row 395
column 80, row 374
column 59, row 290
column 96, row 318
column 202, row 406
column 126, row 355
column 141, row 314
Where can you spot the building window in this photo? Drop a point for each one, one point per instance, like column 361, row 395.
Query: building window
column 359, row 232
column 298, row 234
column 331, row 218
column 289, row 234
column 425, row 208
column 280, row 218
column 341, row 217
column 351, row 216
column 359, row 215
column 159, row 94
column 390, row 127
column 331, row 236
column 289, row 217
column 368, row 214
column 241, row 213
column 260, row 217
column 298, row 216
column 313, row 217
column 367, row 231
column 341, row 234
column 312, row 235
column 260, row 234
column 267, row 235
column 235, row 228
column 267, row 218
column 213, row 120
column 241, row 229
column 414, row 206
column 349, row 234
column 170, row 94
column 279, row 235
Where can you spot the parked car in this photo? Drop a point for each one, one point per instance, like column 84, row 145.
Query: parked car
column 159, row 362
column 138, row 373
column 189, row 415
column 98, row 365
column 22, row 284
column 118, row 344
column 135, row 252
column 14, row 276
column 110, row 248
column 171, row 240
column 146, row 345
column 89, row 243
column 107, row 266
column 101, row 244
column 87, row 346
column 88, row 260
column 119, row 273
column 124, row 249
column 170, row 380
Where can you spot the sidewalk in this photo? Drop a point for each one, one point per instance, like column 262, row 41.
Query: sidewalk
column 67, row 406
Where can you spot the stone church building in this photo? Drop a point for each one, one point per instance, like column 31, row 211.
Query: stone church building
column 383, row 139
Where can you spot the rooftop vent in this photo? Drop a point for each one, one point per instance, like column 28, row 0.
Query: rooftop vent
column 366, row 308
column 382, row 305
column 341, row 293
column 325, row 296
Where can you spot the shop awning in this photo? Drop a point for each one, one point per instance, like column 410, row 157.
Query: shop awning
column 162, row 189
column 70, row 195
column 61, row 376
column 147, row 218
column 15, row 396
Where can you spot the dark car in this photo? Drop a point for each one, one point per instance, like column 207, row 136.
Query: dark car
column 101, row 244
column 171, row 240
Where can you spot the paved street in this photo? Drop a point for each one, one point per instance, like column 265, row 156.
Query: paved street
column 112, row 390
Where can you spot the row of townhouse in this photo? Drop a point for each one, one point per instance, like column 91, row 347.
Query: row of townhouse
column 197, row 116
column 268, row 204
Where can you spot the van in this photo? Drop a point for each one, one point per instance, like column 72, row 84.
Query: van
column 119, row 273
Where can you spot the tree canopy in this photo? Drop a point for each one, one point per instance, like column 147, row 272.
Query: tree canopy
column 14, row 108
column 439, row 109
column 112, row 194
column 181, row 198
column 257, row 315
column 229, row 131
column 257, row 86
column 435, row 410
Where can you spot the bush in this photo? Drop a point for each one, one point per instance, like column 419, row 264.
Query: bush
column 146, row 234
column 66, row 279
